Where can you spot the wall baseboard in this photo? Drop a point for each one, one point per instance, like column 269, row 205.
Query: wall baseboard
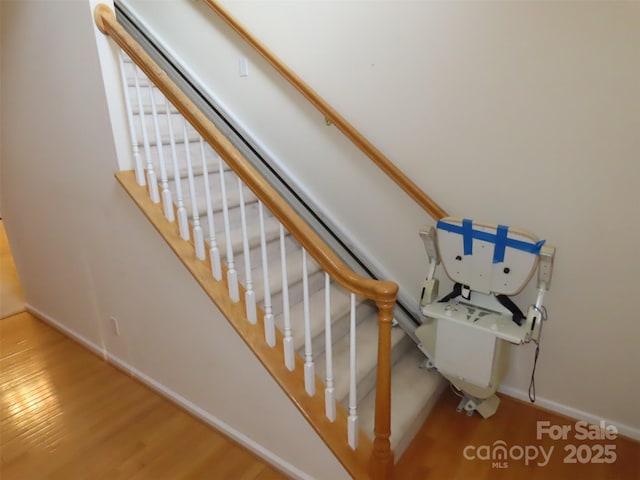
column 624, row 430
column 190, row 407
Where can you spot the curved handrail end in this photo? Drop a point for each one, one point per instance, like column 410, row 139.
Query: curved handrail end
column 99, row 12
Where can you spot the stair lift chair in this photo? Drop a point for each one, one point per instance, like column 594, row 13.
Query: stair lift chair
column 465, row 333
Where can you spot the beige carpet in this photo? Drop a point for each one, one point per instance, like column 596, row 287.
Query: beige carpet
column 11, row 297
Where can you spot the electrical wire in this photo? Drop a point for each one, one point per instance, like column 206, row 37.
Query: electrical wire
column 532, row 384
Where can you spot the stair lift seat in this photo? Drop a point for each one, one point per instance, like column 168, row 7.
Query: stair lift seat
column 465, row 333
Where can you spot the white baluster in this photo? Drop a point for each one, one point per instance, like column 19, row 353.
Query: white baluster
column 289, row 356
column 152, row 183
column 198, row 236
column 249, row 294
column 352, row 429
column 183, row 221
column 214, row 253
column 269, row 325
column 329, row 391
column 140, row 180
column 232, row 274
column 309, row 368
column 167, row 201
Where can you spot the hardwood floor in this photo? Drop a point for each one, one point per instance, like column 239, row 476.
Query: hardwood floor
column 66, row 414
column 439, row 449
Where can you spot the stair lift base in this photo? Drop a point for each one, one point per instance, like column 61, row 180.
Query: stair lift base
column 474, row 397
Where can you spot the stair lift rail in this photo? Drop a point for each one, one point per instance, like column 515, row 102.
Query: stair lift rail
column 318, row 264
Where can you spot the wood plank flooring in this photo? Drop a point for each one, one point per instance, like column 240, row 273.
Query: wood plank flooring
column 66, row 414
column 438, row 451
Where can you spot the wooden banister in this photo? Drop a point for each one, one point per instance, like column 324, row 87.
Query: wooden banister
column 381, row 462
column 386, row 165
column 377, row 290
column 384, row 293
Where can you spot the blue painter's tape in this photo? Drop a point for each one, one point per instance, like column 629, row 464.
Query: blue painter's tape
column 500, row 239
column 467, row 236
column 501, row 244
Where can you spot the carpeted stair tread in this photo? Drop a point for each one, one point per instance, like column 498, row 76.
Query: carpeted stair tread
column 340, row 304
column 271, row 228
column 198, row 170
column 147, row 110
column 366, row 356
column 294, row 274
column 233, row 196
column 414, row 390
column 178, row 139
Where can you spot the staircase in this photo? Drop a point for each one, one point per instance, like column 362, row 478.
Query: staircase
column 196, row 199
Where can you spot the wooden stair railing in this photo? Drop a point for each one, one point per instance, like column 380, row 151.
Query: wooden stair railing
column 386, row 165
column 383, row 293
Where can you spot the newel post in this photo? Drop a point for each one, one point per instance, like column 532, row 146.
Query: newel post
column 381, row 465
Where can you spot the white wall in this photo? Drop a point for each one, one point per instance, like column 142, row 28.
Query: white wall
column 521, row 113
column 84, row 252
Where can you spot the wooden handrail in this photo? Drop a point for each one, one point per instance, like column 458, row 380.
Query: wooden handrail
column 384, row 293
column 386, row 165
column 377, row 290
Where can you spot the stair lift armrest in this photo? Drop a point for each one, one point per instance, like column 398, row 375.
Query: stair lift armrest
column 430, row 285
column 428, row 235
column 535, row 314
column 545, row 267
